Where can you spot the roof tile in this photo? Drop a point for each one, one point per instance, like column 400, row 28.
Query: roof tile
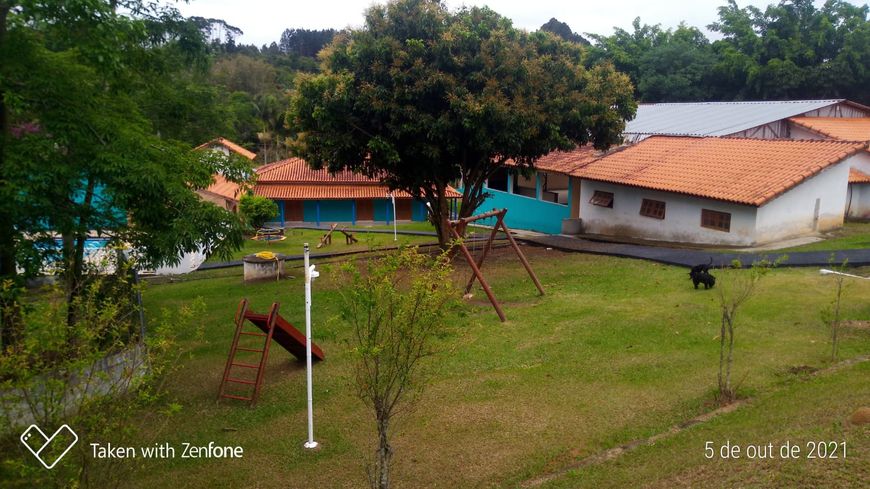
column 745, row 171
column 843, row 128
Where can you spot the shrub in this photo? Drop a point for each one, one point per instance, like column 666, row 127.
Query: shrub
column 257, row 210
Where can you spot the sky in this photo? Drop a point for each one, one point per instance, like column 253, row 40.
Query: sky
column 263, row 21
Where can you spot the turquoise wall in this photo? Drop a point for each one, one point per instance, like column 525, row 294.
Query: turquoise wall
column 383, row 210
column 527, row 213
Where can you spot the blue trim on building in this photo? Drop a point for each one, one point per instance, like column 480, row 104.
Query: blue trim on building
column 281, row 212
column 533, row 214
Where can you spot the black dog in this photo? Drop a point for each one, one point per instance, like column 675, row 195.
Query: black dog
column 702, row 268
column 703, row 278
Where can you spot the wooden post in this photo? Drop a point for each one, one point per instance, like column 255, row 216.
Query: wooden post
column 523, row 258
column 477, row 273
column 486, row 249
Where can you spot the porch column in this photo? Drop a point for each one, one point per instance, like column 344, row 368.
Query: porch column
column 281, row 212
column 539, row 186
column 510, row 182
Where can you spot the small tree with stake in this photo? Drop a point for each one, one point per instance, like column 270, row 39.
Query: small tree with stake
column 734, row 290
column 831, row 314
column 395, row 307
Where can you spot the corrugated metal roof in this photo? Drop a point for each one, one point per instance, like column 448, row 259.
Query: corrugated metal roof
column 716, row 118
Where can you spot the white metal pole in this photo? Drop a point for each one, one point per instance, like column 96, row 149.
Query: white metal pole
column 824, row 271
column 393, row 198
column 310, row 274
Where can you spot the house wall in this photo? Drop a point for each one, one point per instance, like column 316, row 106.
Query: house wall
column 858, row 202
column 320, row 212
column 858, row 197
column 837, row 110
column 798, row 132
column 682, row 222
column 529, row 213
column 793, row 213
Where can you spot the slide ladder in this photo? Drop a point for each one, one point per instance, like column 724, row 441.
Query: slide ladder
column 270, row 326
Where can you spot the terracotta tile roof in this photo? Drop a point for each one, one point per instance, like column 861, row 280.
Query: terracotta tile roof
column 565, row 161
column 224, row 187
column 857, row 176
column 843, row 128
column 745, row 171
column 235, row 148
column 297, row 170
column 293, row 179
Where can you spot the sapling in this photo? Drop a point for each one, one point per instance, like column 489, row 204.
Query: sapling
column 395, row 306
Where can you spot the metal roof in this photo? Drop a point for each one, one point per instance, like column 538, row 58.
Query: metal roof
column 716, row 118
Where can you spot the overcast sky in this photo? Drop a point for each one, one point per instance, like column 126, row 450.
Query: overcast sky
column 263, row 21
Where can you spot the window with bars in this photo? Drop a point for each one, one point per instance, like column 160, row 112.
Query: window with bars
column 602, row 199
column 720, row 221
column 652, row 208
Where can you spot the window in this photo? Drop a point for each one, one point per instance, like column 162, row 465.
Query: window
column 652, row 208
column 525, row 186
column 555, row 187
column 602, row 199
column 720, row 221
column 498, row 180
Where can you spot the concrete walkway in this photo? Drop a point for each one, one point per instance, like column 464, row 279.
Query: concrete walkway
column 688, row 258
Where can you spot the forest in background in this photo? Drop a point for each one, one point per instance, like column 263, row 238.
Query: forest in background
column 790, row 50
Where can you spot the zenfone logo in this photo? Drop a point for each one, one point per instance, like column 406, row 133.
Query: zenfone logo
column 49, row 450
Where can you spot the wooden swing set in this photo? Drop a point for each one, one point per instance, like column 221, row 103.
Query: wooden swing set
column 476, row 265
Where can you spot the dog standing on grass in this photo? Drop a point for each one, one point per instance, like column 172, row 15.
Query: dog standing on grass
column 700, row 274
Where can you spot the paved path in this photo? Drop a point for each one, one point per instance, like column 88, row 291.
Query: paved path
column 688, row 258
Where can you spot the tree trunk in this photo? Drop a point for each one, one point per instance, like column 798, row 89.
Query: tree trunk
column 722, row 356
column 385, row 455
column 730, row 357
column 74, row 251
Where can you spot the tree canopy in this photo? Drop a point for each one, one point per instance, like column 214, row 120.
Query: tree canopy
column 422, row 97
column 790, row 50
column 79, row 153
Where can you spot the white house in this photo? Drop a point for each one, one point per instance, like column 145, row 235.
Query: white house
column 728, row 191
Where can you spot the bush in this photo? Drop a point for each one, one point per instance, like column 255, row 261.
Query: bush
column 94, row 376
column 257, row 210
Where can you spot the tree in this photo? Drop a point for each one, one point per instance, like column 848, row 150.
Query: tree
column 395, row 307
column 257, row 210
column 734, row 290
column 79, row 155
column 422, row 97
column 831, row 315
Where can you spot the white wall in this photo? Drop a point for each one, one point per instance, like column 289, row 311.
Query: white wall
column 682, row 222
column 792, row 213
column 799, row 132
column 858, row 198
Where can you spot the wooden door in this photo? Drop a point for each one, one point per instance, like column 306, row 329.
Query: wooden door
column 365, row 210
column 403, row 209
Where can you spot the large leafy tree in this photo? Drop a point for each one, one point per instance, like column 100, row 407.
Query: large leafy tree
column 422, row 97
column 666, row 65
column 78, row 153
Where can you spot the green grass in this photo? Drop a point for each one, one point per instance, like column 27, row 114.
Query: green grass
column 295, row 238
column 853, row 235
column 617, row 350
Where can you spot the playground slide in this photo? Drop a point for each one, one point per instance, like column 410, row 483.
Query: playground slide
column 290, row 338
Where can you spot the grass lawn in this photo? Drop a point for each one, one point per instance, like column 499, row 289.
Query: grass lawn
column 616, row 351
column 295, row 238
column 853, row 235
